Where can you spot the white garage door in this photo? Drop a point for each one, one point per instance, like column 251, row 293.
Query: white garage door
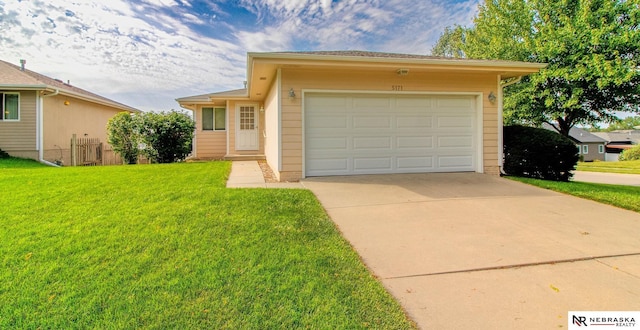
column 349, row 134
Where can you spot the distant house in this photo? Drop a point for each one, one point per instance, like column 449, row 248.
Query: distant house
column 618, row 141
column 590, row 147
column 40, row 115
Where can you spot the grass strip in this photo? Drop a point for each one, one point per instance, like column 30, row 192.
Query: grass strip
column 626, row 197
column 626, row 167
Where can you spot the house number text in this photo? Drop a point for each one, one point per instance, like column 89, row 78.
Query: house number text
column 396, row 87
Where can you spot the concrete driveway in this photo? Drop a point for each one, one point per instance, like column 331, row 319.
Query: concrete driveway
column 472, row 251
column 608, row 178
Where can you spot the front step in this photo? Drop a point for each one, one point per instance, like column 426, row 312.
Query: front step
column 245, row 157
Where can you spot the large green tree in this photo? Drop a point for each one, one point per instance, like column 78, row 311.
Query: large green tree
column 592, row 48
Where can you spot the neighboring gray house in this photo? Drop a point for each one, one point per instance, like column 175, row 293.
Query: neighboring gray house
column 618, row 141
column 590, row 146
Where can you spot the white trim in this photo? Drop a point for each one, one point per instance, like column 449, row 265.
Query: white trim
column 39, row 121
column 585, row 149
column 228, row 130
column 601, row 148
column 2, row 101
column 279, row 128
column 479, row 115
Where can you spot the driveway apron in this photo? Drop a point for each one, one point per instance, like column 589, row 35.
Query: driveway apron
column 473, row 251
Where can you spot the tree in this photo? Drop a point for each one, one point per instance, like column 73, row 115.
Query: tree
column 450, row 43
column 626, row 123
column 122, row 135
column 167, row 136
column 591, row 47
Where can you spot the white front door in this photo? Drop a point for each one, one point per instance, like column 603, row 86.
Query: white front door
column 246, row 127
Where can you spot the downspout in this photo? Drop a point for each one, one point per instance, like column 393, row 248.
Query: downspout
column 501, row 120
column 40, row 127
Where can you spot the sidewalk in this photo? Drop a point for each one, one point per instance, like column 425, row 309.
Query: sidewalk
column 247, row 174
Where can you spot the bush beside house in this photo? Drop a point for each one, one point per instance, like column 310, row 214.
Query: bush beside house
column 538, row 153
column 631, row 154
column 164, row 137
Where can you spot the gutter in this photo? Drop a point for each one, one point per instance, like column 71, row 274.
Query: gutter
column 501, row 120
column 40, row 126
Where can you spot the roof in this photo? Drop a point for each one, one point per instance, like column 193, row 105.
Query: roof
column 578, row 134
column 262, row 68
column 632, row 136
column 235, row 93
column 12, row 77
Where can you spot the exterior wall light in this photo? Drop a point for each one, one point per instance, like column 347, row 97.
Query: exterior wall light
column 492, row 97
column 402, row 72
column 66, row 102
column 292, row 94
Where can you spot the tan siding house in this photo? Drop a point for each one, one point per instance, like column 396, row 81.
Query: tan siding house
column 347, row 113
column 50, row 112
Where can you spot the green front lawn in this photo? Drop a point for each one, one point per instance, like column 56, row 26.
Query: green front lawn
column 168, row 246
column 626, row 197
column 13, row 162
column 629, row 166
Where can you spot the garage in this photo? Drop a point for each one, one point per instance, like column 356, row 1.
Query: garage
column 350, row 134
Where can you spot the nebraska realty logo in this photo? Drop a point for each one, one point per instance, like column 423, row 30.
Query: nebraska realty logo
column 604, row 320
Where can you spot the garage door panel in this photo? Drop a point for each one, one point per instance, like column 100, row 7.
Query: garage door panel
column 367, row 164
column 410, row 103
column 453, row 103
column 369, row 143
column 455, row 142
column 414, row 122
column 328, row 143
column 413, row 142
column 372, row 134
column 372, row 122
column 414, row 163
column 330, row 122
column 371, row 104
column 455, row 122
column 324, row 166
column 453, row 163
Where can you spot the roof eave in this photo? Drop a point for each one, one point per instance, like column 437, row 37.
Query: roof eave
column 498, row 64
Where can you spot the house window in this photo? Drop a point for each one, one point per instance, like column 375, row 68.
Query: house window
column 585, row 149
column 214, row 119
column 10, row 106
column 579, row 149
column 600, row 149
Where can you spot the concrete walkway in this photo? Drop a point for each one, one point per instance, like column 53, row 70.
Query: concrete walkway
column 472, row 251
column 608, row 178
column 248, row 174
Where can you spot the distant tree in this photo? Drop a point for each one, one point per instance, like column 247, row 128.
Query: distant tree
column 122, row 135
column 591, row 47
column 626, row 123
column 450, row 43
column 167, row 136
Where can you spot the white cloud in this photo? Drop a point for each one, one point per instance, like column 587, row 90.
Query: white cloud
column 146, row 53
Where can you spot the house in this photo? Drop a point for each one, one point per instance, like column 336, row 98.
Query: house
column 354, row 112
column 40, row 115
column 590, row 146
column 618, row 141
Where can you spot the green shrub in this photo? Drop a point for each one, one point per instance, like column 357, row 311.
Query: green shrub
column 538, row 153
column 4, row 154
column 631, row 154
column 123, row 137
column 167, row 136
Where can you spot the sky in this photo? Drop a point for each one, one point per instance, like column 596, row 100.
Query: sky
column 147, row 53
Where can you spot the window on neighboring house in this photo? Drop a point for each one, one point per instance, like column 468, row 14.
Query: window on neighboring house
column 10, row 106
column 600, row 149
column 579, row 149
column 214, row 119
column 585, row 149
